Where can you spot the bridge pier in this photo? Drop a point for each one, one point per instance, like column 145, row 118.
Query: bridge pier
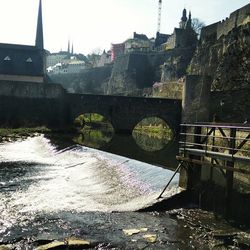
column 123, row 131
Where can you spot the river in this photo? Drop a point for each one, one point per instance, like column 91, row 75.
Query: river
column 49, row 192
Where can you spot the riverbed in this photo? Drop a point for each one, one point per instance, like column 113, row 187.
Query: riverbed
column 52, row 193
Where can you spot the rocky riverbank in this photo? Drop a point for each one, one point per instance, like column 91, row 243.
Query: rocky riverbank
column 175, row 229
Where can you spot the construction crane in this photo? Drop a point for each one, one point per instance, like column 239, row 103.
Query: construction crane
column 159, row 16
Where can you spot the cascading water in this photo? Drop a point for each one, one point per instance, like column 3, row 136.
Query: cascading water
column 36, row 178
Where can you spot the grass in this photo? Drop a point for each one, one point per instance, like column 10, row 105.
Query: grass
column 13, row 133
column 158, row 131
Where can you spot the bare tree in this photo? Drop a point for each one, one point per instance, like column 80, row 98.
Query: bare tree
column 197, row 25
column 94, row 57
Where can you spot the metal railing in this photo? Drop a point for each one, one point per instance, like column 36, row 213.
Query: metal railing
column 222, row 145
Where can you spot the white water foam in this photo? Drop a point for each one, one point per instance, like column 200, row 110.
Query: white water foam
column 80, row 179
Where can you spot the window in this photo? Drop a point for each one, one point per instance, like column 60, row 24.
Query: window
column 29, row 60
column 7, row 58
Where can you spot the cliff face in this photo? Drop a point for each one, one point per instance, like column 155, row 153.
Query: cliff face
column 226, row 60
column 137, row 71
column 132, row 72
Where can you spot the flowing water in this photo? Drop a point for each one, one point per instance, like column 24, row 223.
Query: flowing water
column 49, row 192
column 36, row 178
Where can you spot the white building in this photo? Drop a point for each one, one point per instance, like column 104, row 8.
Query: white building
column 55, row 58
column 70, row 66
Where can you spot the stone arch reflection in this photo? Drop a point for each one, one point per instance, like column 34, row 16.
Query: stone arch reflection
column 93, row 120
column 94, row 130
column 152, row 134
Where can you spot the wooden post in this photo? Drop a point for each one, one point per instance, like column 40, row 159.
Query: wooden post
column 194, row 173
column 230, row 174
column 183, row 179
column 212, row 160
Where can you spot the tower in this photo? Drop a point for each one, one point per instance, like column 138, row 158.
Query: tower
column 39, row 29
column 184, row 19
column 68, row 46
column 159, row 16
column 189, row 21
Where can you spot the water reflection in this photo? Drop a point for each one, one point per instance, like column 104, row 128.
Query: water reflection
column 140, row 146
column 93, row 138
column 150, row 141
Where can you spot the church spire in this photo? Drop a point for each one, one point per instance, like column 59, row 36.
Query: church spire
column 39, row 29
column 68, row 46
column 184, row 15
column 189, row 22
column 184, row 19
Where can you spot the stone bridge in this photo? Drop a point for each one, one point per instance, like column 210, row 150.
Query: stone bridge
column 124, row 113
column 29, row 104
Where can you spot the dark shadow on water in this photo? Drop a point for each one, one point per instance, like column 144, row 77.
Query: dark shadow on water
column 125, row 145
column 143, row 147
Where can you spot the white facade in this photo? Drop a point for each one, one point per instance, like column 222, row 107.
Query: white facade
column 72, row 67
column 53, row 59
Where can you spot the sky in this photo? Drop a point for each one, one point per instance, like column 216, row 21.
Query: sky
column 92, row 25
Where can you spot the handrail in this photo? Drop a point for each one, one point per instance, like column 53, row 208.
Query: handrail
column 218, row 125
column 218, row 155
column 213, row 146
column 211, row 136
column 239, row 170
column 202, row 138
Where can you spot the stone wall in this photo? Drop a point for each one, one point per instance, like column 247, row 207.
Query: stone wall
column 176, row 64
column 32, row 104
column 18, row 112
column 136, row 71
column 230, row 106
column 31, row 90
column 236, row 19
column 202, row 105
column 226, row 60
column 131, row 72
column 196, row 99
column 217, row 30
column 209, row 32
column 171, row 90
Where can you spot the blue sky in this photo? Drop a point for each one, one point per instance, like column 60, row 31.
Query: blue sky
column 93, row 25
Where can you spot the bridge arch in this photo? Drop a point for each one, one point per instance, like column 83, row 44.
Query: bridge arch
column 93, row 118
column 162, row 117
column 125, row 112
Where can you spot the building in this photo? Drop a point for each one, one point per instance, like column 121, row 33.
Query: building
column 24, row 63
column 160, row 39
column 55, row 58
column 139, row 43
column 65, row 62
column 60, row 57
column 105, row 58
column 182, row 37
column 116, row 50
column 69, row 66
